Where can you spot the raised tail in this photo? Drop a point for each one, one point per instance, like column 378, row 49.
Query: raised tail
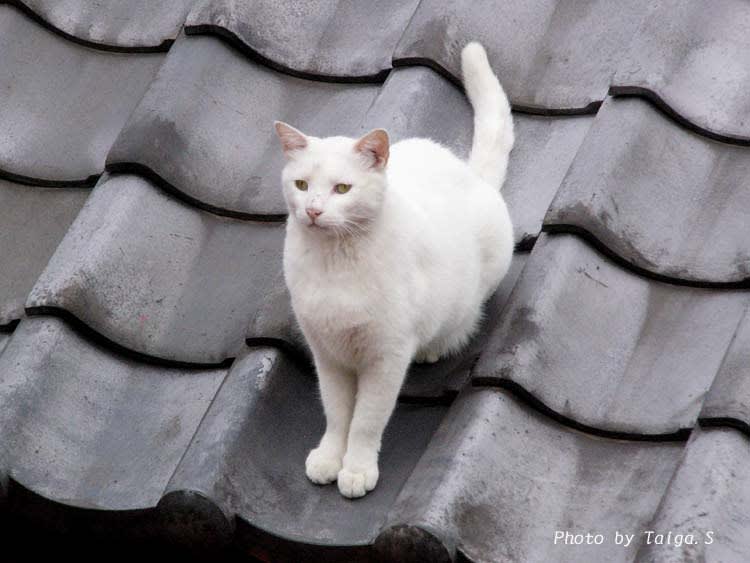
column 493, row 123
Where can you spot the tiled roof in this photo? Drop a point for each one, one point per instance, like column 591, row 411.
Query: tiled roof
column 153, row 384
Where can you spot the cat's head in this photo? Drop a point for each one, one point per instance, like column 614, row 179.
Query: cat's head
column 333, row 185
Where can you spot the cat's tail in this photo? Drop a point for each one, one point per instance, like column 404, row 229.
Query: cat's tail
column 493, row 123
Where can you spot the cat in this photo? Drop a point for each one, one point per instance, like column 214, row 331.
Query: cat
column 389, row 255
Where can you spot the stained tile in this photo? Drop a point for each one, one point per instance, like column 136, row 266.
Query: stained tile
column 61, row 114
column 710, row 492
column 158, row 277
column 728, row 400
column 552, row 56
column 694, row 64
column 667, row 201
column 327, row 40
column 248, row 457
column 498, row 480
column 87, row 428
column 34, row 221
column 130, row 25
column 605, row 348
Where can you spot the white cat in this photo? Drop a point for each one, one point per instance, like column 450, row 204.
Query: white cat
column 389, row 256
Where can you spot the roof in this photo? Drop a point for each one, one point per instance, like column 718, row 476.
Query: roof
column 154, row 387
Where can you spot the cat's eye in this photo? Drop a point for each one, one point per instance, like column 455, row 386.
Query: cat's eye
column 301, row 185
column 342, row 188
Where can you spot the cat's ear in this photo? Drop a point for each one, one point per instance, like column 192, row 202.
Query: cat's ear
column 291, row 139
column 375, row 147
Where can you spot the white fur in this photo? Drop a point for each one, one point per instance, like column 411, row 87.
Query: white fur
column 397, row 269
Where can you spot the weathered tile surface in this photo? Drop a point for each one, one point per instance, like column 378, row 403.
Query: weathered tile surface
column 551, row 56
column 694, row 62
column 498, row 479
column 158, row 277
column 728, row 400
column 87, row 428
column 667, row 201
column 62, row 104
column 249, row 454
column 206, row 125
column 127, row 25
column 605, row 348
column 709, row 492
column 326, row 40
column 33, row 221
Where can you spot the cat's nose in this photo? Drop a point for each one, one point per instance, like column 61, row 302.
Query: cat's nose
column 313, row 213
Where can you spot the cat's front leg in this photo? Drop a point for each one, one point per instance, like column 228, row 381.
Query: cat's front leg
column 337, row 390
column 378, row 388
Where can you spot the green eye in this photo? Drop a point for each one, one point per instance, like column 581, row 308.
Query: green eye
column 301, row 185
column 342, row 188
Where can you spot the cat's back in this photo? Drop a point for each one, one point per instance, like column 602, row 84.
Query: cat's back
column 417, row 158
column 430, row 177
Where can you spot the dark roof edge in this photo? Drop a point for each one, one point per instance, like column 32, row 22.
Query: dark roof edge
column 725, row 422
column 95, row 337
column 163, row 47
column 89, row 182
column 661, row 104
column 524, row 396
column 138, row 169
column 237, row 43
column 411, row 544
column 9, row 327
column 564, row 228
column 588, row 109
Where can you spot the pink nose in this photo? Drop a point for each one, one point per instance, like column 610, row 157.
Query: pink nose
column 313, row 213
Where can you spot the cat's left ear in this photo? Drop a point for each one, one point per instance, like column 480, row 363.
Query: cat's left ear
column 291, row 139
column 375, row 147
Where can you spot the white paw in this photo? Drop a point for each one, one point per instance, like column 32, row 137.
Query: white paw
column 427, row 357
column 322, row 466
column 357, row 482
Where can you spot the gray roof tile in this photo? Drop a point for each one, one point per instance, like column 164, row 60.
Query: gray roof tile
column 710, row 491
column 728, row 400
column 248, row 457
column 158, row 277
column 327, row 40
column 121, row 25
column 605, row 348
column 79, row 98
column 498, row 479
column 205, row 126
column 34, row 221
column 552, row 57
column 667, row 201
column 693, row 62
column 87, row 428
column 542, row 154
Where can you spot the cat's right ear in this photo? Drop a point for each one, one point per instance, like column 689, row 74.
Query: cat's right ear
column 292, row 140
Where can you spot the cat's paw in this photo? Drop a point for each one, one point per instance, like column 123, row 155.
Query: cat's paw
column 322, row 466
column 357, row 481
column 427, row 357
